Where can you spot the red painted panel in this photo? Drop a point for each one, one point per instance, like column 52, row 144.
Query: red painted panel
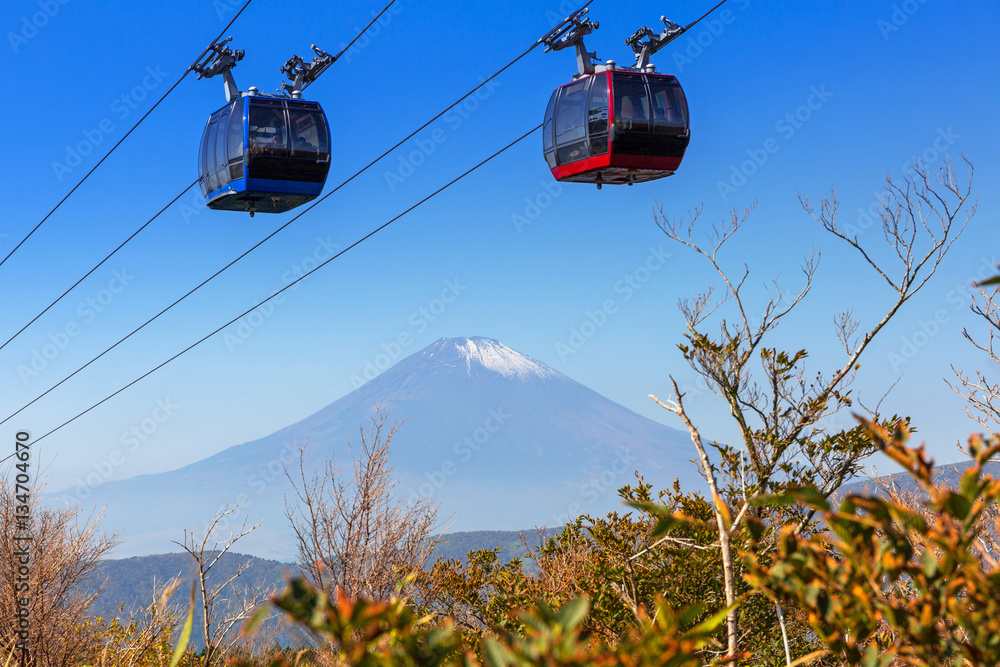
column 581, row 166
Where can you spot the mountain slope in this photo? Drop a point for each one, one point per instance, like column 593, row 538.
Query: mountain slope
column 127, row 585
column 945, row 474
column 500, row 439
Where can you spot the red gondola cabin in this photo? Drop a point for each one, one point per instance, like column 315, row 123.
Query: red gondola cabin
column 616, row 126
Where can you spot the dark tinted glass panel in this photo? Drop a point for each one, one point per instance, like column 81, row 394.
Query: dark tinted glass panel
column 547, row 127
column 669, row 106
column 202, row 171
column 655, row 145
column 308, row 133
column 268, row 134
column 236, row 131
column 597, row 115
column 287, row 169
column 220, row 149
column 261, row 102
column 631, row 103
column 236, row 170
column 572, row 152
column 209, row 159
column 570, row 112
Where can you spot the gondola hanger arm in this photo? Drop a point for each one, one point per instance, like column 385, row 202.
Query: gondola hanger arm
column 644, row 50
column 218, row 59
column 570, row 33
column 301, row 74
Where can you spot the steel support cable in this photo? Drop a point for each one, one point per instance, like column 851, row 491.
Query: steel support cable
column 99, row 264
column 370, row 24
column 293, row 283
column 702, row 17
column 275, row 232
column 106, row 155
column 136, row 232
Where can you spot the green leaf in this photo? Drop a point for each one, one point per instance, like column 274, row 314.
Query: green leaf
column 756, row 529
column 258, row 617
column 995, row 280
column 772, row 500
column 495, row 654
column 807, row 495
column 668, row 521
column 958, row 506
column 712, row 623
column 871, row 656
column 689, row 615
column 182, row 641
column 573, row 613
column 657, row 509
column 969, row 485
column 930, row 564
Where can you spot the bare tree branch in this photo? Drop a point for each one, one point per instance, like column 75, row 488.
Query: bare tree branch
column 356, row 534
column 216, row 627
column 780, row 410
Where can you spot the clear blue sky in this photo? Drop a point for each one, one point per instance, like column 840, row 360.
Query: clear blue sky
column 888, row 80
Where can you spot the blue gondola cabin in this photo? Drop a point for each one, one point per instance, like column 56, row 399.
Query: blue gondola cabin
column 266, row 154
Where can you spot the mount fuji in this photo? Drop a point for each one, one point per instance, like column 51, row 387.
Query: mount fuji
column 502, row 441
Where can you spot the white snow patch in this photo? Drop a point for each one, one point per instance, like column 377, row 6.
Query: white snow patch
column 499, row 358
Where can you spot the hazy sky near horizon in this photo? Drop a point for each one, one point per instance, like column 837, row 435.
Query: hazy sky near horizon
column 786, row 98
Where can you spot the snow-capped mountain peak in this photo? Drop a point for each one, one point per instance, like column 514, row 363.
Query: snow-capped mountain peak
column 491, row 355
column 501, row 440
